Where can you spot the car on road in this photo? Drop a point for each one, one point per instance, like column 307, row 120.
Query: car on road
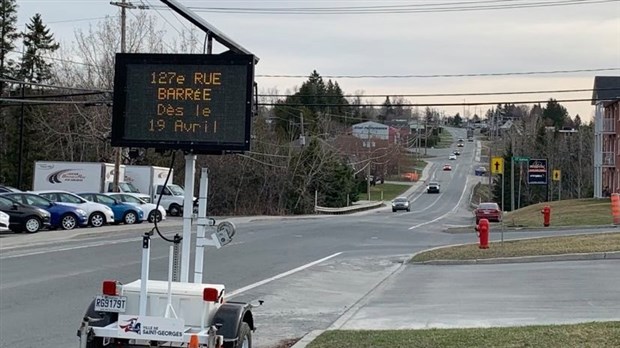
column 151, row 210
column 123, row 212
column 401, row 203
column 480, row 171
column 62, row 216
column 433, row 187
column 452, row 157
column 457, row 152
column 98, row 214
column 447, row 167
column 24, row 218
column 488, row 210
column 4, row 221
column 460, row 145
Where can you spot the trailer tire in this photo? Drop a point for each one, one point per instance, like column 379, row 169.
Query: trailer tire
column 245, row 336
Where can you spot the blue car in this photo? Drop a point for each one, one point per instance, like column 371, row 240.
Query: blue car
column 62, row 216
column 123, row 212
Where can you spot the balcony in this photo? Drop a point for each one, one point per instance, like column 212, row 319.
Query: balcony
column 609, row 126
column 609, row 159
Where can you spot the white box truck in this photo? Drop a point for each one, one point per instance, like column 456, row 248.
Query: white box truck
column 150, row 180
column 78, row 177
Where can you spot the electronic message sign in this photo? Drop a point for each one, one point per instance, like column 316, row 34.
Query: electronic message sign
column 537, row 171
column 193, row 102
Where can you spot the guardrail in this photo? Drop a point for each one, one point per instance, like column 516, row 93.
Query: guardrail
column 349, row 209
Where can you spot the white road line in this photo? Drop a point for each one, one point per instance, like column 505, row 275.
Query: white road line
column 279, row 276
column 446, row 214
column 92, row 245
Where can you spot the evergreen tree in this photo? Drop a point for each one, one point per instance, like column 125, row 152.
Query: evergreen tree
column 8, row 30
column 555, row 113
column 37, row 41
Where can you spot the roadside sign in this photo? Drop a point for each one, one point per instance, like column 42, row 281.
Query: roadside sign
column 537, row 172
column 557, row 175
column 520, row 159
column 497, row 165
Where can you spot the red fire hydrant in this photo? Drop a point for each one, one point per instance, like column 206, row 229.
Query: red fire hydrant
column 483, row 233
column 546, row 211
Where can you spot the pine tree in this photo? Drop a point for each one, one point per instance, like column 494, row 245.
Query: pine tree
column 8, row 30
column 38, row 41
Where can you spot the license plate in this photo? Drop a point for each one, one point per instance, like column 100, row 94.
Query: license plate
column 486, row 212
column 116, row 304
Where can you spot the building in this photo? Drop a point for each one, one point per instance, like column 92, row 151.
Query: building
column 606, row 98
column 375, row 132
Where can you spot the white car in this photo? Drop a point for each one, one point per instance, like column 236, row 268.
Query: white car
column 150, row 209
column 452, row 157
column 98, row 214
column 4, row 222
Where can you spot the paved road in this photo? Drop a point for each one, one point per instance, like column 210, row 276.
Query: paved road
column 47, row 279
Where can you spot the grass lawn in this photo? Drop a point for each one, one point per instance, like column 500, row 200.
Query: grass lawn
column 569, row 212
column 445, row 140
column 597, row 334
column 390, row 191
column 599, row 242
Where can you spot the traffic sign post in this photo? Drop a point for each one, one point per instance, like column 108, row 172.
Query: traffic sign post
column 557, row 176
column 497, row 165
column 513, row 159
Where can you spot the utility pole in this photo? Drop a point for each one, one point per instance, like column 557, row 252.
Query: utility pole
column 302, row 136
column 368, row 165
column 118, row 154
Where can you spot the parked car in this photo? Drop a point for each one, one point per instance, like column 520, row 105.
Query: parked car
column 480, row 171
column 488, row 210
column 447, row 167
column 98, row 214
column 24, row 217
column 400, row 203
column 452, row 157
column 123, row 212
column 433, row 187
column 4, row 221
column 63, row 216
column 4, row 188
column 151, row 210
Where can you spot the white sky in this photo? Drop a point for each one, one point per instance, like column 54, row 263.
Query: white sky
column 584, row 36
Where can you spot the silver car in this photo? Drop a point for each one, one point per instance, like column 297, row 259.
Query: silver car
column 400, row 203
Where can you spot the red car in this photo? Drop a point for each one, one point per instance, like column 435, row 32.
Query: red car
column 447, row 167
column 488, row 210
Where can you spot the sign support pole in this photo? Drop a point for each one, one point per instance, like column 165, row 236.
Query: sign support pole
column 188, row 205
column 502, row 174
column 512, row 183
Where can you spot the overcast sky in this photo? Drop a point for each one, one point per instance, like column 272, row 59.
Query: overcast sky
column 581, row 36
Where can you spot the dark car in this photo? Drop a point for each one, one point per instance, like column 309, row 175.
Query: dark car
column 480, row 171
column 488, row 210
column 400, row 203
column 23, row 217
column 433, row 187
column 62, row 215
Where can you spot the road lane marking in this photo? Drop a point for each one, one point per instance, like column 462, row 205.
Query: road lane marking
column 446, row 214
column 279, row 276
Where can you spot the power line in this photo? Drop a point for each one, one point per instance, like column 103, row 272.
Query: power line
column 433, row 104
column 401, row 9
column 18, row 82
column 406, row 76
column 444, row 94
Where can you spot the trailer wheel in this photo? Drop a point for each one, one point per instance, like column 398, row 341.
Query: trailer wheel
column 155, row 215
column 245, row 336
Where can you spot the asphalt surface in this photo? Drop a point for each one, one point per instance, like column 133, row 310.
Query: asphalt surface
column 313, row 272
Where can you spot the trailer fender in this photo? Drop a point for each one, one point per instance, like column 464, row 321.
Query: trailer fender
column 99, row 319
column 230, row 315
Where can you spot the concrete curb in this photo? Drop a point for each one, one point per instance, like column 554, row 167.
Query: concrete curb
column 351, row 311
column 611, row 255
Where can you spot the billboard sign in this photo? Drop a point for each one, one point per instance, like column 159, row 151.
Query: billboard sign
column 537, row 172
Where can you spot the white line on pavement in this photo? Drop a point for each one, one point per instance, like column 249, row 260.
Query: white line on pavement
column 446, row 214
column 279, row 276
